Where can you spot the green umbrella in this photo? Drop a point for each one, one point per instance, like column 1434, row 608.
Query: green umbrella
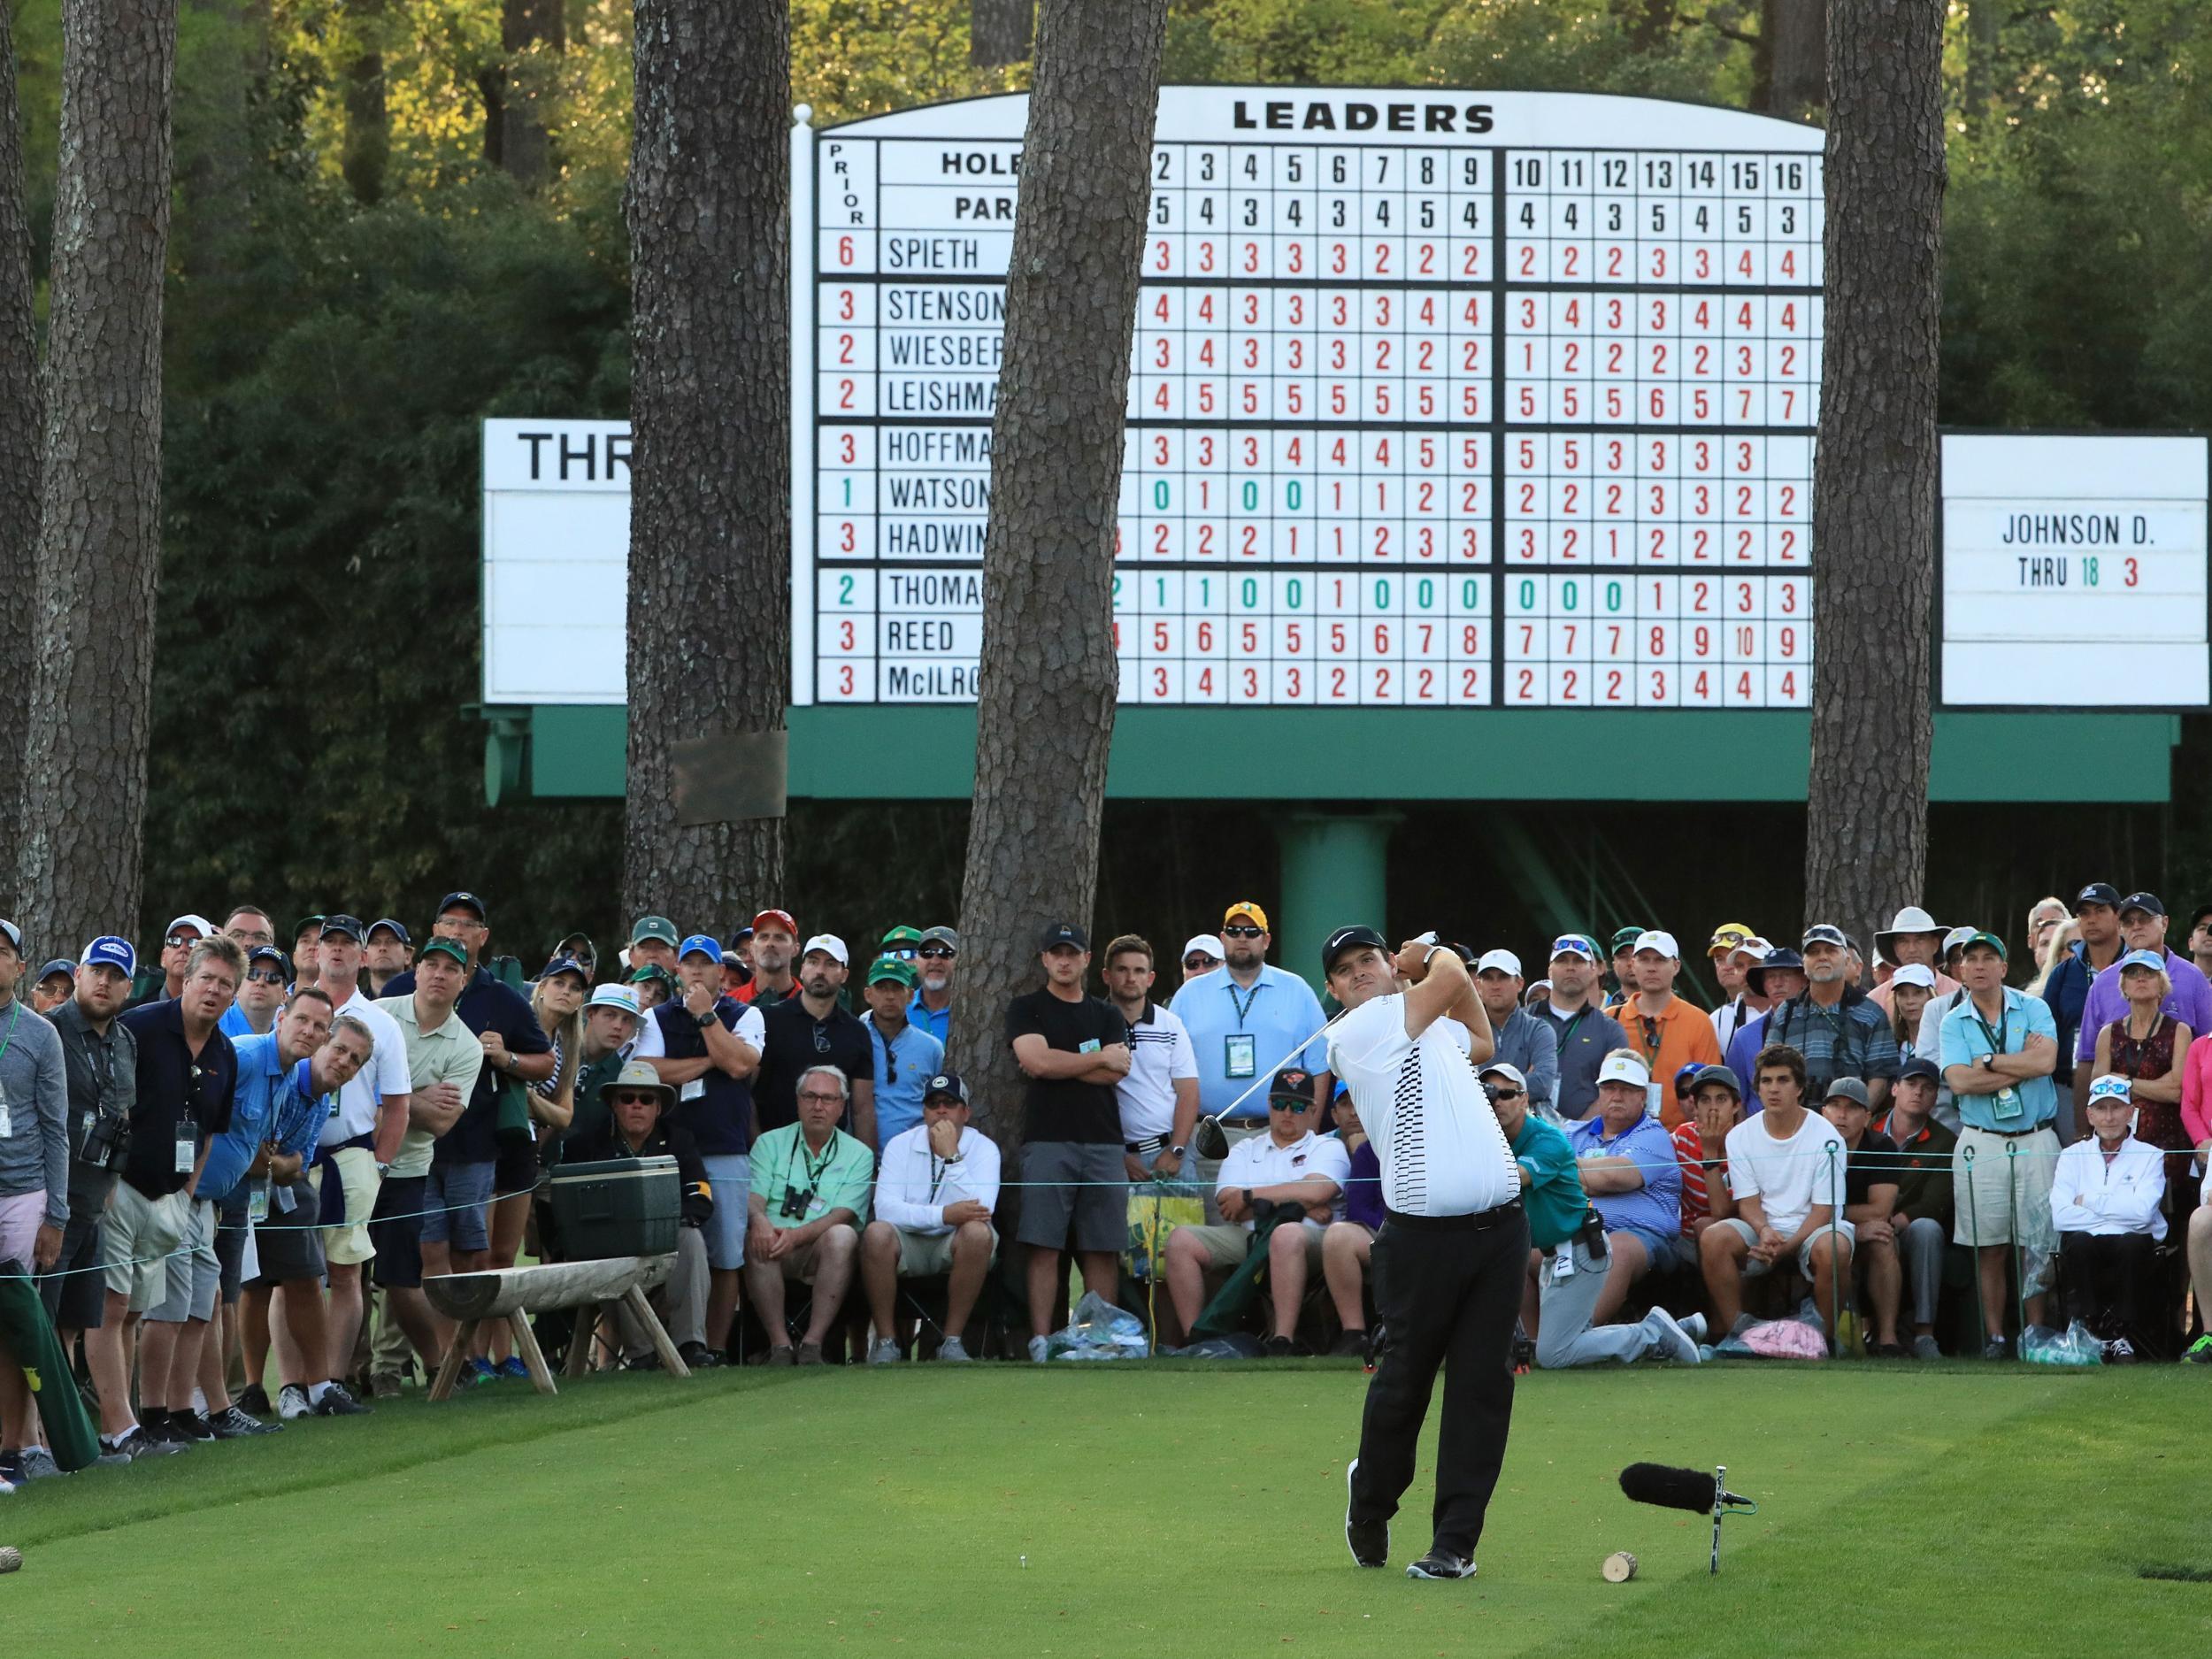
column 28, row 1336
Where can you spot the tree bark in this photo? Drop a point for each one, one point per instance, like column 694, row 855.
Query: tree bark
column 99, row 551
column 999, row 31
column 525, row 148
column 365, row 150
column 710, row 412
column 1874, row 473
column 19, row 440
column 1794, row 36
column 1045, row 709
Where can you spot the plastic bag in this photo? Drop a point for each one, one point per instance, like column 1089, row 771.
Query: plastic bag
column 2039, row 1345
column 1098, row 1331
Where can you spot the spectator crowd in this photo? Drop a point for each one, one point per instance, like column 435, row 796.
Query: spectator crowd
column 233, row 1166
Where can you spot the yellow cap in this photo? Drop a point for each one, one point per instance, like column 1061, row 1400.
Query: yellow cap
column 1726, row 937
column 1245, row 907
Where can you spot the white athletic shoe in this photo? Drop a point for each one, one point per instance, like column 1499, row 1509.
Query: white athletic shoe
column 292, row 1402
column 884, row 1351
column 1675, row 1343
column 953, row 1351
column 1038, row 1352
column 1694, row 1323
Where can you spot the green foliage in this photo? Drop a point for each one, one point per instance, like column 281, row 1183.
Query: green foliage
column 328, row 363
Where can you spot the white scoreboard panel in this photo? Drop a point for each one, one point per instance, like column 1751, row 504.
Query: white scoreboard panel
column 2074, row 571
column 1436, row 399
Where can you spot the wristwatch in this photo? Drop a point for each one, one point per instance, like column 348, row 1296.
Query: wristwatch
column 1248, row 1196
column 706, row 1019
column 1178, row 1151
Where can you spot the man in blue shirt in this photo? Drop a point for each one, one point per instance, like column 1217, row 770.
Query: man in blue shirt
column 932, row 1007
column 1248, row 1022
column 287, row 1082
column 1626, row 1160
column 907, row 1056
column 1582, row 1032
column 1999, row 1048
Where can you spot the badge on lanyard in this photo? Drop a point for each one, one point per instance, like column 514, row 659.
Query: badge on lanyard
column 1240, row 1054
column 257, row 1203
column 187, row 1144
column 7, row 1127
column 1651, row 1099
column 2006, row 1103
column 696, row 1090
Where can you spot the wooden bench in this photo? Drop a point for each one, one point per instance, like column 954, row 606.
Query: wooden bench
column 516, row 1293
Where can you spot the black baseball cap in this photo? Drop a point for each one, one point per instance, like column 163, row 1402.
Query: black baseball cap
column 1293, row 1082
column 947, row 1084
column 349, row 925
column 398, row 930
column 2198, row 916
column 1345, row 939
column 267, row 953
column 308, row 925
column 1920, row 1065
column 463, row 901
column 2149, row 903
column 2098, row 893
column 1057, row 933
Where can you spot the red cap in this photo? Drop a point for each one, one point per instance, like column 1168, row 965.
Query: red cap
column 779, row 918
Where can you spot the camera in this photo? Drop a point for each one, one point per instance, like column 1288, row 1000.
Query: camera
column 795, row 1202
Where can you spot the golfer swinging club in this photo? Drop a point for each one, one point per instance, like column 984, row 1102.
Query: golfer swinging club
column 1453, row 1253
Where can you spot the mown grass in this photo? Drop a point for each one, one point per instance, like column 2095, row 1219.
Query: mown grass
column 1150, row 1509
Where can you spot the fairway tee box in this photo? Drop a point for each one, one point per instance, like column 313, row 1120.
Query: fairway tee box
column 1164, row 1508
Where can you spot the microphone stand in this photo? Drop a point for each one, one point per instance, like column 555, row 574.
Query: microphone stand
column 1720, row 1486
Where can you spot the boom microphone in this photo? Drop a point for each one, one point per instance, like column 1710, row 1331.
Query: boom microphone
column 1690, row 1489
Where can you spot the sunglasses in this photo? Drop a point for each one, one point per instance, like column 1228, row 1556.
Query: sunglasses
column 1290, row 1105
column 1509, row 1094
column 935, row 953
column 1199, row 962
column 265, row 976
column 1242, row 931
column 636, row 1097
column 174, row 940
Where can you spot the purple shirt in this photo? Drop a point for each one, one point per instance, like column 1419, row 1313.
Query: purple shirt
column 2190, row 1001
column 1362, row 1189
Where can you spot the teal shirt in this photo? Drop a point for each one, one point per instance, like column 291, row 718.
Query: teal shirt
column 1551, row 1187
column 1966, row 1037
column 840, row 1176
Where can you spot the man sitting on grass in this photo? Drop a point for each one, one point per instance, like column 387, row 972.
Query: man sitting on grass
column 1785, row 1167
column 934, row 1204
column 1289, row 1164
column 809, row 1196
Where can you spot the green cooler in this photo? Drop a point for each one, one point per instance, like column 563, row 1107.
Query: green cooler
column 621, row 1207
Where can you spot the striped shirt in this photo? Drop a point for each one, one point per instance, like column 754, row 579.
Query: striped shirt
column 1689, row 1151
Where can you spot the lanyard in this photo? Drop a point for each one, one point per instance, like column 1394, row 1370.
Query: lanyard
column 1567, row 1032
column 1245, row 1007
column 814, row 1171
column 14, row 1014
column 1997, row 1037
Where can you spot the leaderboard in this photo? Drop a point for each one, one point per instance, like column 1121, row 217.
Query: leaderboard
column 1435, row 400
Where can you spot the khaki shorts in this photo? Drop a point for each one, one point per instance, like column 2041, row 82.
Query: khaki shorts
column 1227, row 1245
column 2004, row 1185
column 347, row 1246
column 1753, row 1268
column 801, row 1265
column 140, row 1233
column 927, row 1255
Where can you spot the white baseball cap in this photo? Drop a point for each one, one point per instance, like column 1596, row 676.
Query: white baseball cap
column 829, row 945
column 206, row 928
column 1755, row 948
column 612, row 995
column 1505, row 1069
column 1211, row 943
column 1503, row 961
column 2111, row 1086
column 1625, row 1068
column 1652, row 939
column 1915, row 973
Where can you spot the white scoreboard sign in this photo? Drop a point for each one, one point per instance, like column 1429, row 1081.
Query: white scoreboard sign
column 2074, row 571
column 1436, row 399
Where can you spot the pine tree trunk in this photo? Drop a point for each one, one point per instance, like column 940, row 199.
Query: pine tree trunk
column 365, row 150
column 1874, row 473
column 711, row 412
column 999, row 31
column 1045, row 712
column 1796, row 36
column 99, row 551
column 19, row 445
